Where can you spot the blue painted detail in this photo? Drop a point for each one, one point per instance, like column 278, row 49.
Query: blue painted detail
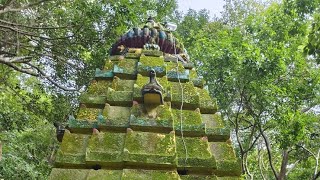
column 103, row 74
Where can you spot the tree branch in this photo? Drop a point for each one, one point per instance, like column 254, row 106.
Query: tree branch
column 10, row 9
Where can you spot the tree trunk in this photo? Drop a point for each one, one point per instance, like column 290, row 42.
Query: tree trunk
column 284, row 163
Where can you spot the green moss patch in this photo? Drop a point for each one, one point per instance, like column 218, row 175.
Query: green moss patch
column 207, row 104
column 190, row 97
column 105, row 148
column 122, row 85
column 138, row 174
column 88, row 114
column 126, row 69
column 103, row 174
column 99, row 87
column 176, row 72
column 72, row 151
column 119, row 98
column 114, row 117
column 158, row 118
column 82, row 126
column 197, row 82
column 147, row 63
column 68, row 174
column 115, row 58
column 93, row 99
column 198, row 153
column 191, row 122
column 133, row 55
column 146, row 148
column 227, row 162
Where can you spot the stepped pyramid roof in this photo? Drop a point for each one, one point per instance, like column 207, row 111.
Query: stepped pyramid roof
column 118, row 134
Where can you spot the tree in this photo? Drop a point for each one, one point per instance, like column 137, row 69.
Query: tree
column 254, row 65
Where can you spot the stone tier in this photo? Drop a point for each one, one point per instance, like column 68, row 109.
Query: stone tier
column 115, row 136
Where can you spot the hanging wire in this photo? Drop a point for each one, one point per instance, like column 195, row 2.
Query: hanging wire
column 182, row 100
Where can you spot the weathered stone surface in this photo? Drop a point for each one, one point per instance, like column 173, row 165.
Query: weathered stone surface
column 68, row 174
column 88, row 114
column 157, row 118
column 93, row 99
column 105, row 149
column 126, row 69
column 72, row 151
column 147, row 63
column 103, row 74
column 139, row 174
column 150, row 149
column 122, row 84
column 215, row 129
column 194, row 154
column 133, row 55
column 99, row 87
column 207, row 104
column 176, row 72
column 120, row 98
column 189, row 97
column 114, row 117
column 197, row 82
column 191, row 122
column 227, row 162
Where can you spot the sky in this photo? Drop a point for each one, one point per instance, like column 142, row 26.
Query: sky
column 214, row 6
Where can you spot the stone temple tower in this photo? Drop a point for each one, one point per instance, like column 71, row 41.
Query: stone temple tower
column 146, row 116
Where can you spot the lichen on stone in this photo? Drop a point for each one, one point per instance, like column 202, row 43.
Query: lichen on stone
column 88, row 114
column 105, row 148
column 115, row 116
column 207, row 104
column 176, row 72
column 122, row 84
column 72, row 150
column 190, row 97
column 126, row 68
column 191, row 121
column 147, row 63
column 99, row 87
column 150, row 148
column 144, row 119
column 68, row 174
column 197, row 153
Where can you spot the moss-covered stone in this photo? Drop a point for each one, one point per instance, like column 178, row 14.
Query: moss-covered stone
column 215, row 129
column 119, row 98
column 230, row 178
column 147, row 63
column 227, row 162
column 155, row 53
column 197, row 82
column 122, row 85
column 126, row 69
column 105, row 149
column 132, row 55
column 72, row 151
column 139, row 174
column 190, row 96
column 79, row 125
column 150, row 149
column 99, row 87
column 88, row 114
column 176, row 72
column 143, row 80
column 92, row 99
column 198, row 177
column 114, row 117
column 191, row 122
column 103, row 174
column 151, row 118
column 188, row 65
column 207, row 104
column 68, row 174
column 197, row 156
